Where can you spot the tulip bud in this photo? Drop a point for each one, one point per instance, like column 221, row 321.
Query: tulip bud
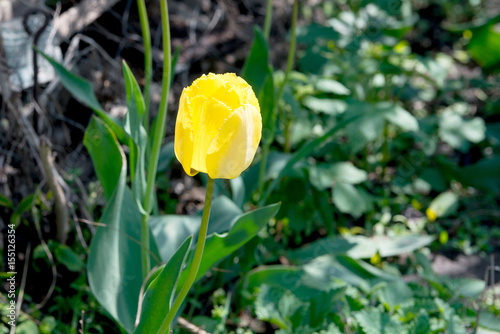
column 218, row 127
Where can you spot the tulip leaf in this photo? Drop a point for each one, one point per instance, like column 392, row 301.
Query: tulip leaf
column 82, row 90
column 266, row 101
column 170, row 231
column 218, row 246
column 244, row 228
column 137, row 135
column 160, row 293
column 107, row 156
column 114, row 262
column 238, row 190
column 255, row 69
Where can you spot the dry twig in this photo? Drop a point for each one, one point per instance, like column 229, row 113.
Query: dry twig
column 52, row 176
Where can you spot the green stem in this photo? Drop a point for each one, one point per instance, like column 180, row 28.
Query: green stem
column 291, row 56
column 148, row 59
column 291, row 51
column 157, row 140
column 262, row 170
column 268, row 19
column 145, row 259
column 195, row 265
column 288, row 126
column 162, row 110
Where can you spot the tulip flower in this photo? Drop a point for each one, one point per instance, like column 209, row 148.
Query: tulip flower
column 218, row 130
column 218, row 126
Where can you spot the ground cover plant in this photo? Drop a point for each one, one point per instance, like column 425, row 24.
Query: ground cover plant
column 344, row 180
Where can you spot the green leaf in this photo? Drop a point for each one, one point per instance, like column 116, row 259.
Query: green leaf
column 360, row 247
column 398, row 116
column 267, row 104
column 166, row 158
column 394, row 295
column 458, row 132
column 5, row 202
column 244, row 228
column 114, row 263
column 348, row 199
column 465, row 287
column 69, row 258
column 287, row 277
column 22, row 207
column 106, row 154
column 160, row 294
column 484, row 45
column 170, row 231
column 27, row 327
column 277, row 306
column 48, row 325
column 303, row 152
column 326, row 106
column 421, row 324
column 238, row 190
column 137, row 136
column 332, row 86
column 374, row 117
column 489, row 321
column 323, row 176
column 321, row 272
column 454, row 324
column 444, row 204
column 255, row 69
column 374, row 321
column 482, row 174
column 82, row 90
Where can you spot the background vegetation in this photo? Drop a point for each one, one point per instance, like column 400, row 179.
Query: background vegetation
column 382, row 144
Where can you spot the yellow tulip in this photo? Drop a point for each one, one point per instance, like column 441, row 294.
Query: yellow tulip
column 218, row 127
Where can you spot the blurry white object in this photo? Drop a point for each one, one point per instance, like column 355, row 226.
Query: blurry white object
column 18, row 44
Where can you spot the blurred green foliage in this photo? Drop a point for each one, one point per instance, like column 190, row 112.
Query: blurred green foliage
column 384, row 147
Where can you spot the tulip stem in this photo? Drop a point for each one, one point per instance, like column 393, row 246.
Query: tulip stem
column 268, row 19
column 195, row 265
column 291, row 51
column 159, row 133
column 162, row 110
column 148, row 59
column 145, row 259
column 268, row 141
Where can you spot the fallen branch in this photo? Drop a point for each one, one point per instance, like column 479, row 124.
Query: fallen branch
column 79, row 16
column 190, row 327
column 61, row 210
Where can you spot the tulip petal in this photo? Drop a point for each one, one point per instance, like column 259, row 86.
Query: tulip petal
column 233, row 148
column 245, row 91
column 184, row 136
column 206, row 124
